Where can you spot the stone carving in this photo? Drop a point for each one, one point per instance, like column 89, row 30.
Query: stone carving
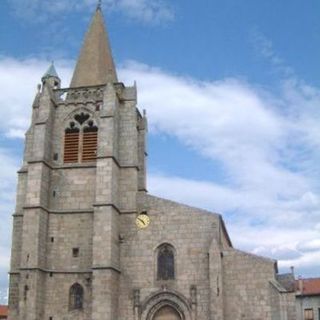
column 74, row 95
column 193, row 294
column 82, row 117
column 136, row 297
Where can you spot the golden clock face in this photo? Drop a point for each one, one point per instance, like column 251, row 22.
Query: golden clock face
column 142, row 221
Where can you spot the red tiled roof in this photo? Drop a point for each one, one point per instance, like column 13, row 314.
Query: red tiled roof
column 3, row 311
column 308, row 286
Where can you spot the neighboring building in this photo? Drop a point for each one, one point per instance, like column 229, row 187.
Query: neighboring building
column 308, row 299
column 3, row 312
column 89, row 242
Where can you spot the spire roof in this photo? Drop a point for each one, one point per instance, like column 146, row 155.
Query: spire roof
column 95, row 64
column 51, row 72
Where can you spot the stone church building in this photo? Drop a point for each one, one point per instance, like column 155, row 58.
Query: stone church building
column 89, row 242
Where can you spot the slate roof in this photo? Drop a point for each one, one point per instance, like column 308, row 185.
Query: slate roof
column 95, row 65
column 287, row 281
column 51, row 72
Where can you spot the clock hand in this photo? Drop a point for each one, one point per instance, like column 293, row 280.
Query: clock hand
column 141, row 221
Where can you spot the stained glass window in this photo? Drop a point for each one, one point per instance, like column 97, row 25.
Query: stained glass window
column 165, row 262
column 76, row 297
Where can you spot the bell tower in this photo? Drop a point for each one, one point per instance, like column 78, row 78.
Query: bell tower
column 84, row 166
column 89, row 243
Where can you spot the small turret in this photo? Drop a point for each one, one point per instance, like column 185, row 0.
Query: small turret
column 51, row 77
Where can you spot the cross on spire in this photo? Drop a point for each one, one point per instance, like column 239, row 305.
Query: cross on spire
column 99, row 4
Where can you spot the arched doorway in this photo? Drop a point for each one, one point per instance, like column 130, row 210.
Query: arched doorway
column 167, row 313
column 166, row 305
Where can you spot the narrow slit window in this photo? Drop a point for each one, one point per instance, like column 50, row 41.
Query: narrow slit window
column 75, row 252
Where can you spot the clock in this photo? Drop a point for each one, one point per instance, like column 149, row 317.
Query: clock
column 142, row 221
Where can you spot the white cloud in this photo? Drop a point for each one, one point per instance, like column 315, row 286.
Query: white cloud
column 8, row 169
column 235, row 123
column 267, row 145
column 4, row 296
column 155, row 11
column 149, row 11
column 255, row 223
column 19, row 80
column 265, row 47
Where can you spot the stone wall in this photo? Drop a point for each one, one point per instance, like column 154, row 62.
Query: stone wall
column 275, row 301
column 246, row 286
column 308, row 302
column 57, row 296
column 72, row 188
column 65, row 233
column 189, row 230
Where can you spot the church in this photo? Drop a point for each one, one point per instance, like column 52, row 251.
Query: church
column 90, row 243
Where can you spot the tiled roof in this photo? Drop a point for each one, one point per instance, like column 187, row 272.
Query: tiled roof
column 3, row 311
column 308, row 286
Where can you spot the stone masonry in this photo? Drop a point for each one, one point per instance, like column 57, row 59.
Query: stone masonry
column 74, row 223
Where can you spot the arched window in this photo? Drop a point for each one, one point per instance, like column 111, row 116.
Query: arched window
column 76, row 297
column 80, row 140
column 165, row 265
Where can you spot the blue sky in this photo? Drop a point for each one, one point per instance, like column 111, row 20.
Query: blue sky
column 232, row 92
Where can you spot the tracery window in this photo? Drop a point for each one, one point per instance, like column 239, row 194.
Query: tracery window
column 80, row 140
column 76, row 297
column 165, row 262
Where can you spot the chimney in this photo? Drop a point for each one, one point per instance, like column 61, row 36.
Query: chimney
column 300, row 285
column 292, row 270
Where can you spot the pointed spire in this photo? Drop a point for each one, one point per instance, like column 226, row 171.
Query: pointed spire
column 95, row 64
column 51, row 72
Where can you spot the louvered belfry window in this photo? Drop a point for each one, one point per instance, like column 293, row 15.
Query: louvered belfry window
column 81, row 140
column 89, row 142
column 71, row 144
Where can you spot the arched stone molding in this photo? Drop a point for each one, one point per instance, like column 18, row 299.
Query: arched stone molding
column 162, row 269
column 152, row 304
column 80, row 138
column 158, row 282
